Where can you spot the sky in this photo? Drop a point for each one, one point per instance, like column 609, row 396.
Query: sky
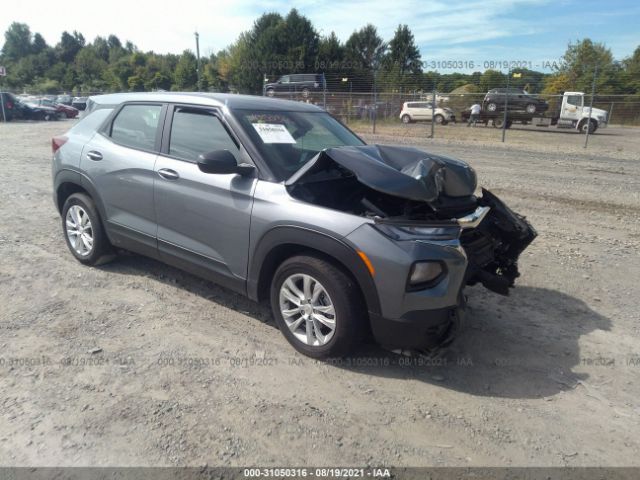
column 469, row 33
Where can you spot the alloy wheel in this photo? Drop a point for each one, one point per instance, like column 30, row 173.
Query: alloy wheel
column 307, row 309
column 79, row 230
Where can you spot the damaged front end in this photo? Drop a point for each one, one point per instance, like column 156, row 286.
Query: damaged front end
column 408, row 188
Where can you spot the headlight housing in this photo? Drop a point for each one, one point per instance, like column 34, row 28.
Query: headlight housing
column 404, row 232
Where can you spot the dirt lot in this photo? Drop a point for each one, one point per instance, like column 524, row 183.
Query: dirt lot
column 136, row 363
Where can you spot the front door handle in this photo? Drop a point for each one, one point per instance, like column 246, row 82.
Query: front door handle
column 168, row 174
column 94, row 155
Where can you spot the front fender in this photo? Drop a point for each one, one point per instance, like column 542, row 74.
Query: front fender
column 296, row 236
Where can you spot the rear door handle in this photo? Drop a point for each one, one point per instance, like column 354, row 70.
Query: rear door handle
column 94, row 155
column 168, row 174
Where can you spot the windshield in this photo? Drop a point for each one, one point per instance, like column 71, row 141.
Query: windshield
column 288, row 140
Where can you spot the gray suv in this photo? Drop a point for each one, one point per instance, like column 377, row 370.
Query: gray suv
column 279, row 201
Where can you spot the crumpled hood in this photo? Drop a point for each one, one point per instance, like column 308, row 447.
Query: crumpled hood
column 400, row 171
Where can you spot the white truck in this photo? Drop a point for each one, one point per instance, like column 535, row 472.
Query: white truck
column 571, row 113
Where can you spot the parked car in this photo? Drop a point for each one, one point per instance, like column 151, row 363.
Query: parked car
column 64, row 99
column 32, row 111
column 15, row 108
column 288, row 206
column 79, row 102
column 303, row 83
column 517, row 99
column 418, row 111
column 61, row 109
column 7, row 106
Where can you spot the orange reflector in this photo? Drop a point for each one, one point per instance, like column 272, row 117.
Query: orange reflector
column 367, row 262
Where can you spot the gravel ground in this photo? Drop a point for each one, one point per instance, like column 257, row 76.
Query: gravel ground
column 136, row 363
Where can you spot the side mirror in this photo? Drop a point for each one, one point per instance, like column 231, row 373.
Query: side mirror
column 222, row 162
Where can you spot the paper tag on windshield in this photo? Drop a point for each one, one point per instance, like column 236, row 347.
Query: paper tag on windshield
column 273, row 133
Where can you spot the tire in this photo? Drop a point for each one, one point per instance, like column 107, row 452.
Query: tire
column 305, row 93
column 270, row 92
column 531, row 108
column 440, row 120
column 497, row 122
column 339, row 295
column 588, row 124
column 406, row 119
column 492, row 107
column 46, row 117
column 99, row 249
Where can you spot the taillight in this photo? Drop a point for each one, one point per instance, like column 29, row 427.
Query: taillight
column 57, row 142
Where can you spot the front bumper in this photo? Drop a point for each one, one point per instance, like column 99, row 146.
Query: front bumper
column 486, row 252
column 417, row 329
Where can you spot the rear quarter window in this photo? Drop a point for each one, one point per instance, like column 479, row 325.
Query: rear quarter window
column 90, row 123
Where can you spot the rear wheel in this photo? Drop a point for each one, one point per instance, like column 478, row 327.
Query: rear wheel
column 406, row 119
column 305, row 92
column 440, row 120
column 530, row 108
column 317, row 307
column 83, row 230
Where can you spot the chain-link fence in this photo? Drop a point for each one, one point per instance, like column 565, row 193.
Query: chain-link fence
column 501, row 105
column 369, row 104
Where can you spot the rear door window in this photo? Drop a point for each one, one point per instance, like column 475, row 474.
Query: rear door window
column 136, row 126
column 196, row 131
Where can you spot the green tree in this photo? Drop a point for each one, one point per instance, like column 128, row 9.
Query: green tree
column 186, row 77
column 403, row 56
column 366, row 48
column 331, row 54
column 17, row 42
column 579, row 65
column 89, row 68
column 69, row 46
column 492, row 79
column 39, row 44
column 631, row 66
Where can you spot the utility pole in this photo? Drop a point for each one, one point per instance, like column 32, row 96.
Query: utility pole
column 198, row 60
column 593, row 94
column 375, row 100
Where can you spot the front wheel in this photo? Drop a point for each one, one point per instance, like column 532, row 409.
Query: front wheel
column 83, row 230
column 531, row 108
column 492, row 107
column 440, row 120
column 317, row 307
column 270, row 92
column 588, row 126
